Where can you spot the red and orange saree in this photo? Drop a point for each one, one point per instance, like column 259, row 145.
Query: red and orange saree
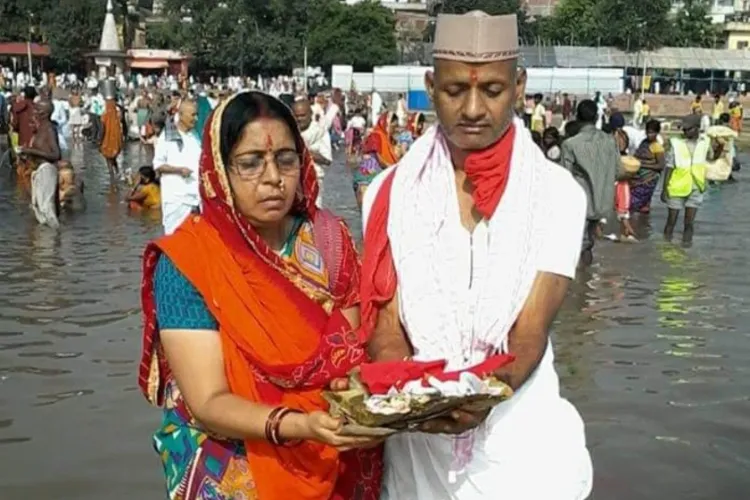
column 283, row 334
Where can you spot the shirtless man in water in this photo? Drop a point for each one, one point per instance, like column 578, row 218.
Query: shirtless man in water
column 39, row 164
column 44, row 146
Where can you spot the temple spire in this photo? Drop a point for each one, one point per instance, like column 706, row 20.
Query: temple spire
column 110, row 41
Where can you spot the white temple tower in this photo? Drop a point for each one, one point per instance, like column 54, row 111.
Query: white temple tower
column 110, row 58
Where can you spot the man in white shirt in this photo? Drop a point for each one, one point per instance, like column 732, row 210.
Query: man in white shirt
column 176, row 160
column 601, row 105
column 317, row 139
column 469, row 249
column 331, row 112
column 318, row 109
column 92, row 83
column 401, row 110
column 376, row 106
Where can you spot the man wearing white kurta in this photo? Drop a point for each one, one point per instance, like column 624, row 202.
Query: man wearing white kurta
column 176, row 158
column 317, row 139
column 484, row 237
column 376, row 107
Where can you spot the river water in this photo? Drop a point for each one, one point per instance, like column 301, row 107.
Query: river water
column 652, row 347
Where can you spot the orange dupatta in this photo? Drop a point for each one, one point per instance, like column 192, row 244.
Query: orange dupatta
column 280, row 347
column 378, row 141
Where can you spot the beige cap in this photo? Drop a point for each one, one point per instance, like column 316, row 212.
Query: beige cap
column 476, row 37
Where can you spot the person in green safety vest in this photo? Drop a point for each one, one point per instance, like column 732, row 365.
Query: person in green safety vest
column 685, row 180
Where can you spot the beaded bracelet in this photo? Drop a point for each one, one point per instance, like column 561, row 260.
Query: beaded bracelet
column 273, row 424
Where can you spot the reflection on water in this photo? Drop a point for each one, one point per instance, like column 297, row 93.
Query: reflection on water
column 650, row 345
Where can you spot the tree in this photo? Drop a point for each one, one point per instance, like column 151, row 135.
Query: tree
column 72, row 28
column 164, row 35
column 20, row 20
column 573, row 22
column 209, row 30
column 692, row 25
column 362, row 35
column 269, row 35
column 634, row 25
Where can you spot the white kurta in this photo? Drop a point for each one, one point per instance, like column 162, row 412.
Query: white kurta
column 318, row 140
column 459, row 294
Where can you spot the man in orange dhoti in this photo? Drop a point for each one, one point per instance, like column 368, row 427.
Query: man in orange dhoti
column 111, row 139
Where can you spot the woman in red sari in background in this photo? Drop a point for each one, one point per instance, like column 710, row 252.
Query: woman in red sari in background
column 250, row 310
column 379, row 151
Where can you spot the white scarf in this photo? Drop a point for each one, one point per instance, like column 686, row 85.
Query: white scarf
column 313, row 135
column 445, row 319
column 423, row 198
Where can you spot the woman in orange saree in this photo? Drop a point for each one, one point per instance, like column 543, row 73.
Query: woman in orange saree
column 381, row 140
column 250, row 311
column 378, row 153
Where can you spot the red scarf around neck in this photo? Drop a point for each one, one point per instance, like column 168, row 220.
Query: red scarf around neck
column 488, row 170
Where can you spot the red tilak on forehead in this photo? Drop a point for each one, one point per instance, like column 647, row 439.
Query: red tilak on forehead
column 473, row 75
column 269, row 142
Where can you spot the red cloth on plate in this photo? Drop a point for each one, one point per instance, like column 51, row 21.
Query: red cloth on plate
column 379, row 377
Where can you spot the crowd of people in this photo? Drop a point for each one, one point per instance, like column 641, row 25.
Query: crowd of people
column 617, row 163
column 163, row 113
column 620, row 164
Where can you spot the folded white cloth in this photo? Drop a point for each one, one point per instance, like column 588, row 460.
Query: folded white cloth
column 44, row 194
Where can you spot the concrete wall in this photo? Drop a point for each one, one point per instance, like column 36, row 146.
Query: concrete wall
column 670, row 106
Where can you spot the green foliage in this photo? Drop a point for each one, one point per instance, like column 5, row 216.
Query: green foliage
column 19, row 20
column 71, row 27
column 634, row 24
column 619, row 23
column 361, row 35
column 269, row 36
column 631, row 25
column 574, row 22
column 491, row 7
column 693, row 28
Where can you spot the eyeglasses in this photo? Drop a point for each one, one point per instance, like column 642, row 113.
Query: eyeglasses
column 253, row 167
